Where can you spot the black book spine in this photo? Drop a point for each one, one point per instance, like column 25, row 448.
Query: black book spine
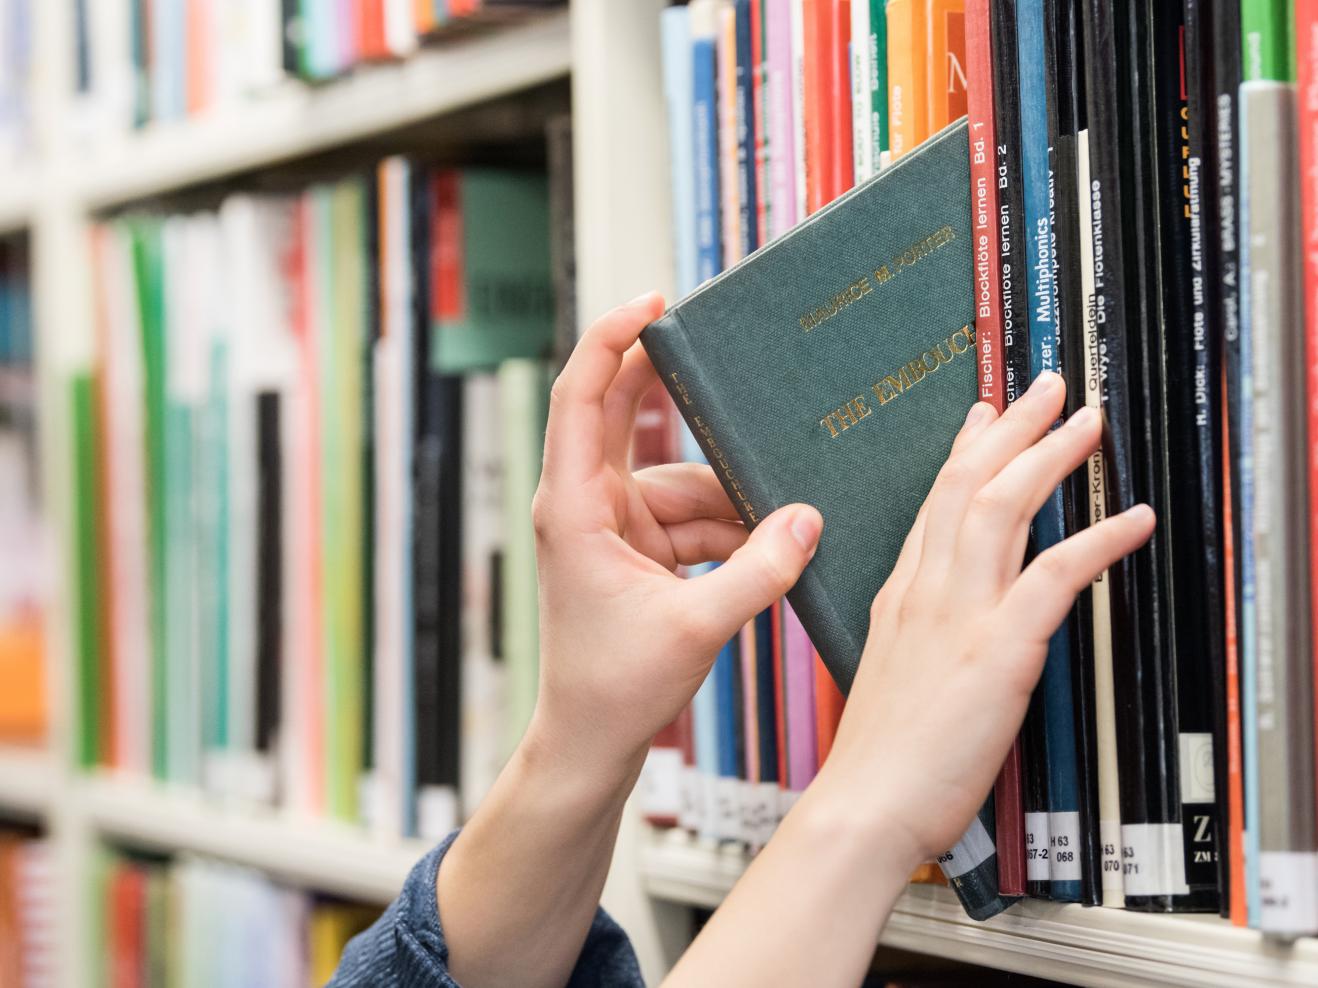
column 1222, row 251
column 449, row 730
column 1191, row 369
column 1013, row 302
column 269, row 570
column 1011, row 209
column 1156, row 848
column 1061, row 44
column 767, row 712
column 291, row 35
column 1110, row 316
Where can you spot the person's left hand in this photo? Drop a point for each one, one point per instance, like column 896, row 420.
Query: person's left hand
column 624, row 641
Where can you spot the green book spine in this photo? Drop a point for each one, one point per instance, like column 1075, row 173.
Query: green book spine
column 150, row 299
column 878, row 62
column 1267, row 41
column 495, row 294
column 87, row 546
column 523, row 407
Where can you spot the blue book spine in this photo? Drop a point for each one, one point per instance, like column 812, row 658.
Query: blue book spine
column 679, row 81
column 766, row 707
column 750, row 239
column 1248, row 638
column 1058, row 701
column 709, row 243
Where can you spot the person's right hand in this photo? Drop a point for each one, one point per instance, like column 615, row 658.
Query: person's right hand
column 959, row 634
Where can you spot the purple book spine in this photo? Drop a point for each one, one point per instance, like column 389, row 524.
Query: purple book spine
column 782, row 132
column 798, row 660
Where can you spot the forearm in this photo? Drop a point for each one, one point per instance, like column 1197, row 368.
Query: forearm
column 520, row 887
column 810, row 907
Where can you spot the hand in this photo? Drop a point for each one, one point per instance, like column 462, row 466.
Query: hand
column 624, row 641
column 958, row 634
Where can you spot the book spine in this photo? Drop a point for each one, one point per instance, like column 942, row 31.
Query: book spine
column 1224, row 21
column 679, row 91
column 781, row 119
column 840, row 155
column 863, row 162
column 704, row 56
column 945, row 67
column 1306, row 65
column 817, row 112
column 1190, row 368
column 1012, row 316
column 760, row 121
column 1279, row 520
column 729, row 147
column 877, row 42
column 799, row 103
column 745, row 132
column 907, row 58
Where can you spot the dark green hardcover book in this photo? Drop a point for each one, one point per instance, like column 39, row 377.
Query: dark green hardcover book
column 835, row 366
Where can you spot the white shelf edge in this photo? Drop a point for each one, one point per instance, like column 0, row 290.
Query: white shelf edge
column 1092, row 946
column 18, row 193
column 295, row 121
column 323, row 856
column 27, row 781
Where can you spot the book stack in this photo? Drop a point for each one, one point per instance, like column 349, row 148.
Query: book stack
column 1143, row 189
column 15, row 78
column 195, row 921
column 27, row 911
column 305, row 461
column 156, row 60
column 24, row 575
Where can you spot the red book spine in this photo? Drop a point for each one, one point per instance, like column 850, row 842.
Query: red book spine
column 842, row 158
column 1306, row 52
column 126, row 909
column 828, row 710
column 818, row 120
column 760, row 100
column 374, row 46
column 1008, row 806
column 447, row 300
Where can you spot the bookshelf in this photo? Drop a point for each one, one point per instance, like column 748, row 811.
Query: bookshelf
column 609, row 54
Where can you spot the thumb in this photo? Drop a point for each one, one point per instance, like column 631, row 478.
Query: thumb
column 757, row 574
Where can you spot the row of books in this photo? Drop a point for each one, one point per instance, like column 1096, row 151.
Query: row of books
column 306, row 455
column 28, row 947
column 193, row 921
column 158, row 60
column 24, row 575
column 1167, row 760
column 16, row 65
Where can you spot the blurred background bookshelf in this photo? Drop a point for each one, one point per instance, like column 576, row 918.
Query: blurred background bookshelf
column 574, row 89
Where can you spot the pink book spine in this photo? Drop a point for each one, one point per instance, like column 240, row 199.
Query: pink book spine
column 750, row 703
column 782, row 130
column 799, row 664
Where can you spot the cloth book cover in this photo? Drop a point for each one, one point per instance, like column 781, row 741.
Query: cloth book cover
column 834, row 367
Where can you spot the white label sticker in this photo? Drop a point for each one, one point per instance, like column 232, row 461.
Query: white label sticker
column 709, row 808
column 761, row 818
column 436, row 812
column 1196, row 768
column 661, row 783
column 727, row 808
column 1036, row 847
column 1064, row 847
column 693, row 806
column 1288, row 892
column 1114, row 890
column 973, row 849
column 1153, row 859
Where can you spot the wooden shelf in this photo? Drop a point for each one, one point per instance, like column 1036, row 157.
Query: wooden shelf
column 316, row 854
column 1066, row 942
column 27, row 781
column 297, row 121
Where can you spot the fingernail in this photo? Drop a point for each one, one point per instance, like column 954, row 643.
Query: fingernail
column 979, row 411
column 1141, row 513
column 1045, row 384
column 1083, row 419
column 807, row 524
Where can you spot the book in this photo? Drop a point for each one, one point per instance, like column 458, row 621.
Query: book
column 1282, row 825
column 908, row 75
column 908, row 253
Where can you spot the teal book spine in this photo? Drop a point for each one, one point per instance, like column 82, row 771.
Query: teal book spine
column 834, row 366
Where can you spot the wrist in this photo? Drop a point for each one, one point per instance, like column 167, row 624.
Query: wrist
column 583, row 772
column 869, row 827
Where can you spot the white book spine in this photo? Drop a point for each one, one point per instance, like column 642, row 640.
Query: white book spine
column 862, row 146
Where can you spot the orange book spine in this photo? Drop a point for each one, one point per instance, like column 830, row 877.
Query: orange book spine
column 828, row 710
column 841, row 156
column 198, row 33
column 423, row 13
column 817, row 116
column 908, row 53
column 946, row 65
column 370, row 30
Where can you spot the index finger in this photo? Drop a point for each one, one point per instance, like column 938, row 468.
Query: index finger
column 574, row 435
